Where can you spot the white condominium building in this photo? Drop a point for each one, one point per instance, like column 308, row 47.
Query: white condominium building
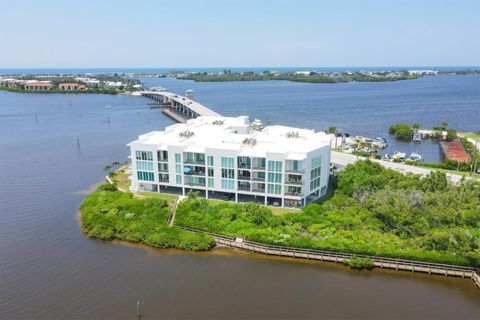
column 228, row 158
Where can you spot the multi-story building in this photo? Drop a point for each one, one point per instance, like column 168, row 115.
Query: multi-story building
column 227, row 158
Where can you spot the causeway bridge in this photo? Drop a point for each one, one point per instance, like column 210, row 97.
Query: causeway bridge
column 179, row 108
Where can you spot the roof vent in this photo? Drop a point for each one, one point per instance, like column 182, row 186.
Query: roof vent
column 293, row 134
column 249, row 141
column 186, row 134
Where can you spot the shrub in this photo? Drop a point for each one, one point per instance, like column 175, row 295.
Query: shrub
column 360, row 263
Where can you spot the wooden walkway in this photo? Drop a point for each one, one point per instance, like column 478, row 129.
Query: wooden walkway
column 380, row 262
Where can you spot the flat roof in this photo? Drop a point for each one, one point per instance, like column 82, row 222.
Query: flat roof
column 236, row 134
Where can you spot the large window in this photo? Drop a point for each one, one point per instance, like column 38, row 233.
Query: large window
column 144, row 155
column 228, row 162
column 274, row 177
column 145, row 176
column 178, row 158
column 228, row 184
column 194, row 158
column 144, row 165
column 293, row 165
column 210, row 161
column 162, row 155
column 228, row 173
column 315, row 173
column 163, row 167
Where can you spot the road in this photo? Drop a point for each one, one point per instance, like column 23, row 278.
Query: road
column 342, row 159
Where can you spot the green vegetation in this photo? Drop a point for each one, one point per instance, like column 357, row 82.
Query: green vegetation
column 108, row 214
column 311, row 78
column 375, row 211
column 360, row 263
column 401, row 131
column 471, row 135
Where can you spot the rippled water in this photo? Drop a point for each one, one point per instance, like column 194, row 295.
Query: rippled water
column 48, row 269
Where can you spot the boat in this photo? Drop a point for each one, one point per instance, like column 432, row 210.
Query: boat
column 386, row 156
column 399, row 155
column 417, row 137
column 414, row 157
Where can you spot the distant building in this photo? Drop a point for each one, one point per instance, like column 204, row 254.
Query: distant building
column 226, row 158
column 422, row 72
column 37, row 85
column 71, row 86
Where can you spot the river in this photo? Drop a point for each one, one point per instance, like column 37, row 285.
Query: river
column 49, row 269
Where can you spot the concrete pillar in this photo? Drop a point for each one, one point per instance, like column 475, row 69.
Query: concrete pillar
column 266, row 200
column 183, row 191
column 236, row 197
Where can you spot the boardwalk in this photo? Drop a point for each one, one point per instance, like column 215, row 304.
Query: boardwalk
column 338, row 257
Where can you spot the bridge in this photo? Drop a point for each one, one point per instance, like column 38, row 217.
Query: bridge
column 179, row 108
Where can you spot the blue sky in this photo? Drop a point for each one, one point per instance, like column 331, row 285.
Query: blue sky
column 206, row 33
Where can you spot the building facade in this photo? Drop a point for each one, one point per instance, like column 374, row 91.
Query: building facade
column 226, row 158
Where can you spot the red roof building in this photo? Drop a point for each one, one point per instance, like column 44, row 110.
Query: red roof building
column 71, row 86
column 454, row 151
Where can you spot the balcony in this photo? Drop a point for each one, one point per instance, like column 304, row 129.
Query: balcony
column 194, row 162
column 244, row 166
column 296, row 171
column 259, row 168
column 297, row 182
column 243, row 188
column 294, row 194
column 260, row 190
column 243, row 177
column 259, row 179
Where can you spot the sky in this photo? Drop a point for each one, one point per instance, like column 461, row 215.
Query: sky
column 239, row 33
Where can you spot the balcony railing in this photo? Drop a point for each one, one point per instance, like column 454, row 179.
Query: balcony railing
column 259, row 179
column 244, row 166
column 258, row 190
column 243, row 188
column 294, row 194
column 294, row 181
column 242, row 177
column 196, row 173
column 191, row 161
column 298, row 171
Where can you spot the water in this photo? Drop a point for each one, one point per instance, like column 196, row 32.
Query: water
column 48, row 269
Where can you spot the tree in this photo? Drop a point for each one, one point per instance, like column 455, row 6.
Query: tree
column 451, row 134
column 332, row 129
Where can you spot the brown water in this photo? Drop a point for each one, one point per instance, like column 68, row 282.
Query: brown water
column 50, row 270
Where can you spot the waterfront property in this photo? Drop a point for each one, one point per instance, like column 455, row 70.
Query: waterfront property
column 225, row 158
column 71, row 86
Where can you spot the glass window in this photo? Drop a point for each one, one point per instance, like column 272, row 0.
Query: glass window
column 210, row 160
column 178, row 158
column 178, row 179
column 210, row 172
column 210, row 182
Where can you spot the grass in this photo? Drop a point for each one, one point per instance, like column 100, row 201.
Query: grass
column 121, row 179
column 170, row 198
column 471, row 135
